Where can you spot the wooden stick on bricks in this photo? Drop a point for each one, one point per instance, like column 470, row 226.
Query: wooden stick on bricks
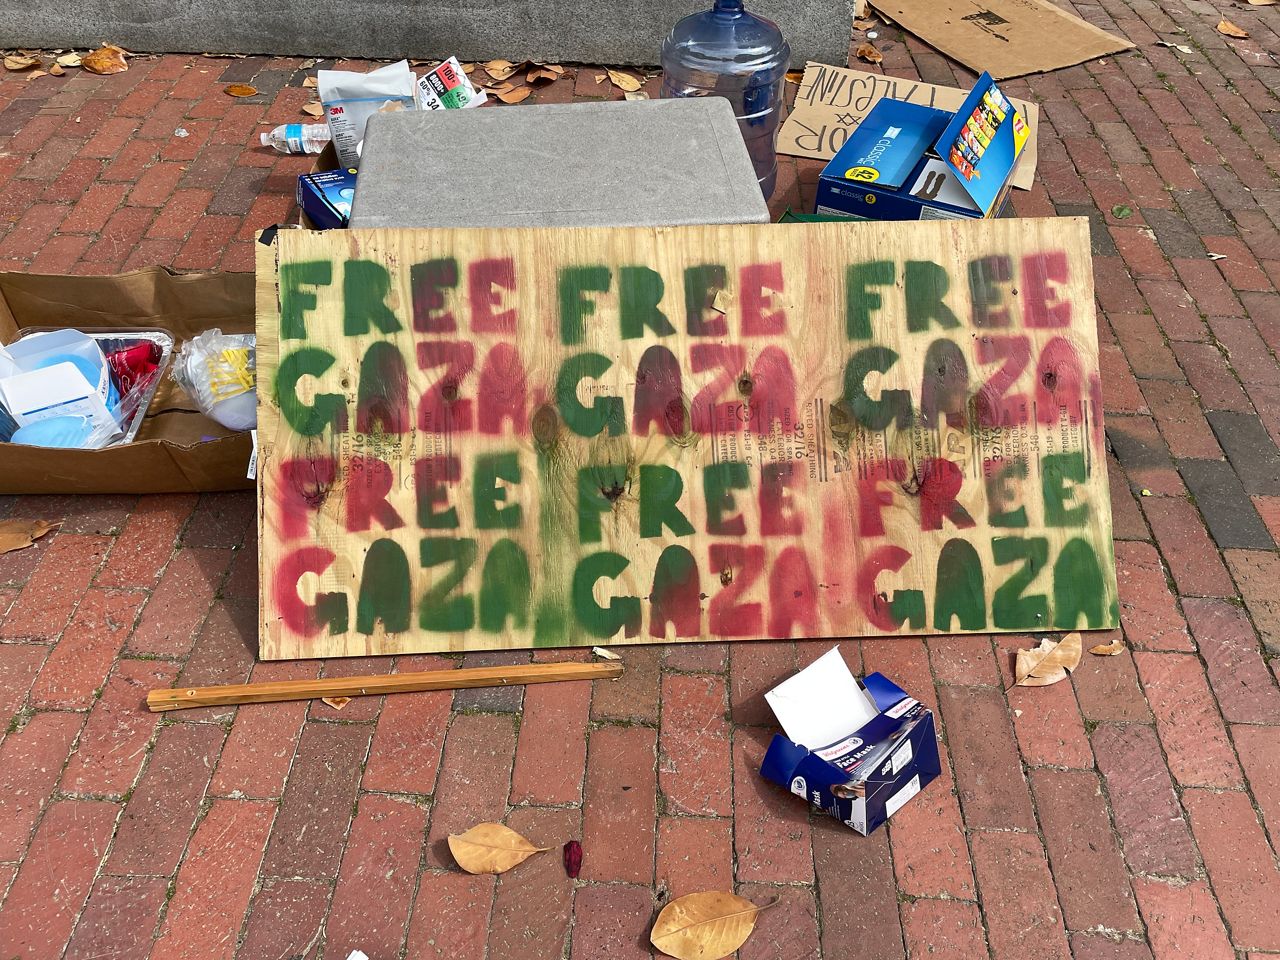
column 181, row 698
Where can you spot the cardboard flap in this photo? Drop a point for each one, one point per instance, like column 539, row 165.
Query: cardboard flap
column 822, row 703
column 184, row 304
column 883, row 691
column 982, row 142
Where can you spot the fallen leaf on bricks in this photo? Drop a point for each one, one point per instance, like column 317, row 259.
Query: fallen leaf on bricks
column 336, row 702
column 490, row 848
column 55, row 69
column 869, row 53
column 605, row 653
column 36, row 74
column 314, row 109
column 537, row 75
column 17, row 62
column 310, row 83
column 1108, row 649
column 501, row 69
column 1121, row 212
column 515, row 95
column 573, row 859
column 1262, row 3
column 635, row 95
column 624, row 81
column 240, row 90
column 468, row 68
column 1229, row 29
column 704, row 926
column 20, row 534
column 105, row 60
column 1048, row 663
column 69, row 60
column 1181, row 47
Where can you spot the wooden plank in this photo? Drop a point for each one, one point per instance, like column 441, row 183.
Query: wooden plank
column 182, row 698
column 477, row 439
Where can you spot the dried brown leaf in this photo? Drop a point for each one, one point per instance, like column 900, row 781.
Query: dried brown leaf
column 795, row 76
column 1111, row 649
column 19, row 62
column 313, row 109
column 468, row 68
column 55, row 69
column 501, row 69
column 20, row 534
column 36, row 74
column 601, row 77
column 624, row 81
column 704, row 926
column 635, row 95
column 310, row 83
column 515, row 95
column 869, row 53
column 490, row 848
column 1229, row 29
column 240, row 90
column 69, row 60
column 537, row 76
column 336, row 702
column 605, row 653
column 1048, row 663
column 105, row 60
column 1262, row 3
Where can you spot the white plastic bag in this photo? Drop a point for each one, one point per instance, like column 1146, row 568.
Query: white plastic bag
column 349, row 100
column 219, row 371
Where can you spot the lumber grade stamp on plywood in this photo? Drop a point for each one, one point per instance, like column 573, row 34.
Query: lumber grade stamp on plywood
column 487, row 439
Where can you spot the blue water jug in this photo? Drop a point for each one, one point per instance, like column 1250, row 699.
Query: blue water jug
column 728, row 52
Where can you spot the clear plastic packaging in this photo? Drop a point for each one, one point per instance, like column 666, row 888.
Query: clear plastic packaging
column 219, row 371
column 137, row 359
column 729, row 52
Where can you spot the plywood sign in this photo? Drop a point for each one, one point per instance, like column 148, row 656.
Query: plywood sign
column 512, row 438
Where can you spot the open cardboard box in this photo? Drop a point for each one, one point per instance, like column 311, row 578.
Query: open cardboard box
column 177, row 448
column 857, row 750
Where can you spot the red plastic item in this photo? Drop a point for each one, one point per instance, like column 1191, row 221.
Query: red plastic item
column 133, row 364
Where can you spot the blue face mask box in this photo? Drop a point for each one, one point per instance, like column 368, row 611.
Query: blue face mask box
column 866, row 774
column 906, row 161
column 325, row 197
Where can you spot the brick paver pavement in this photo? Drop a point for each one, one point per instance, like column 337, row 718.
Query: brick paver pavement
column 1132, row 813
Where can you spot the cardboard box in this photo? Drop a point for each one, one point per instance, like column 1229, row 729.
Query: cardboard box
column 177, row 449
column 877, row 747
column 907, row 161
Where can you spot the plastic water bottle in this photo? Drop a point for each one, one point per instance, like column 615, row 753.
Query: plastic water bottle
column 728, row 52
column 297, row 137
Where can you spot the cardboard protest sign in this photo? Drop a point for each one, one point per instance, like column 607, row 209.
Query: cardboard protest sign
column 479, row 439
column 833, row 101
column 1005, row 38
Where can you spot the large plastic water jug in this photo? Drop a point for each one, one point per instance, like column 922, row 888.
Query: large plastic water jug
column 728, row 52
